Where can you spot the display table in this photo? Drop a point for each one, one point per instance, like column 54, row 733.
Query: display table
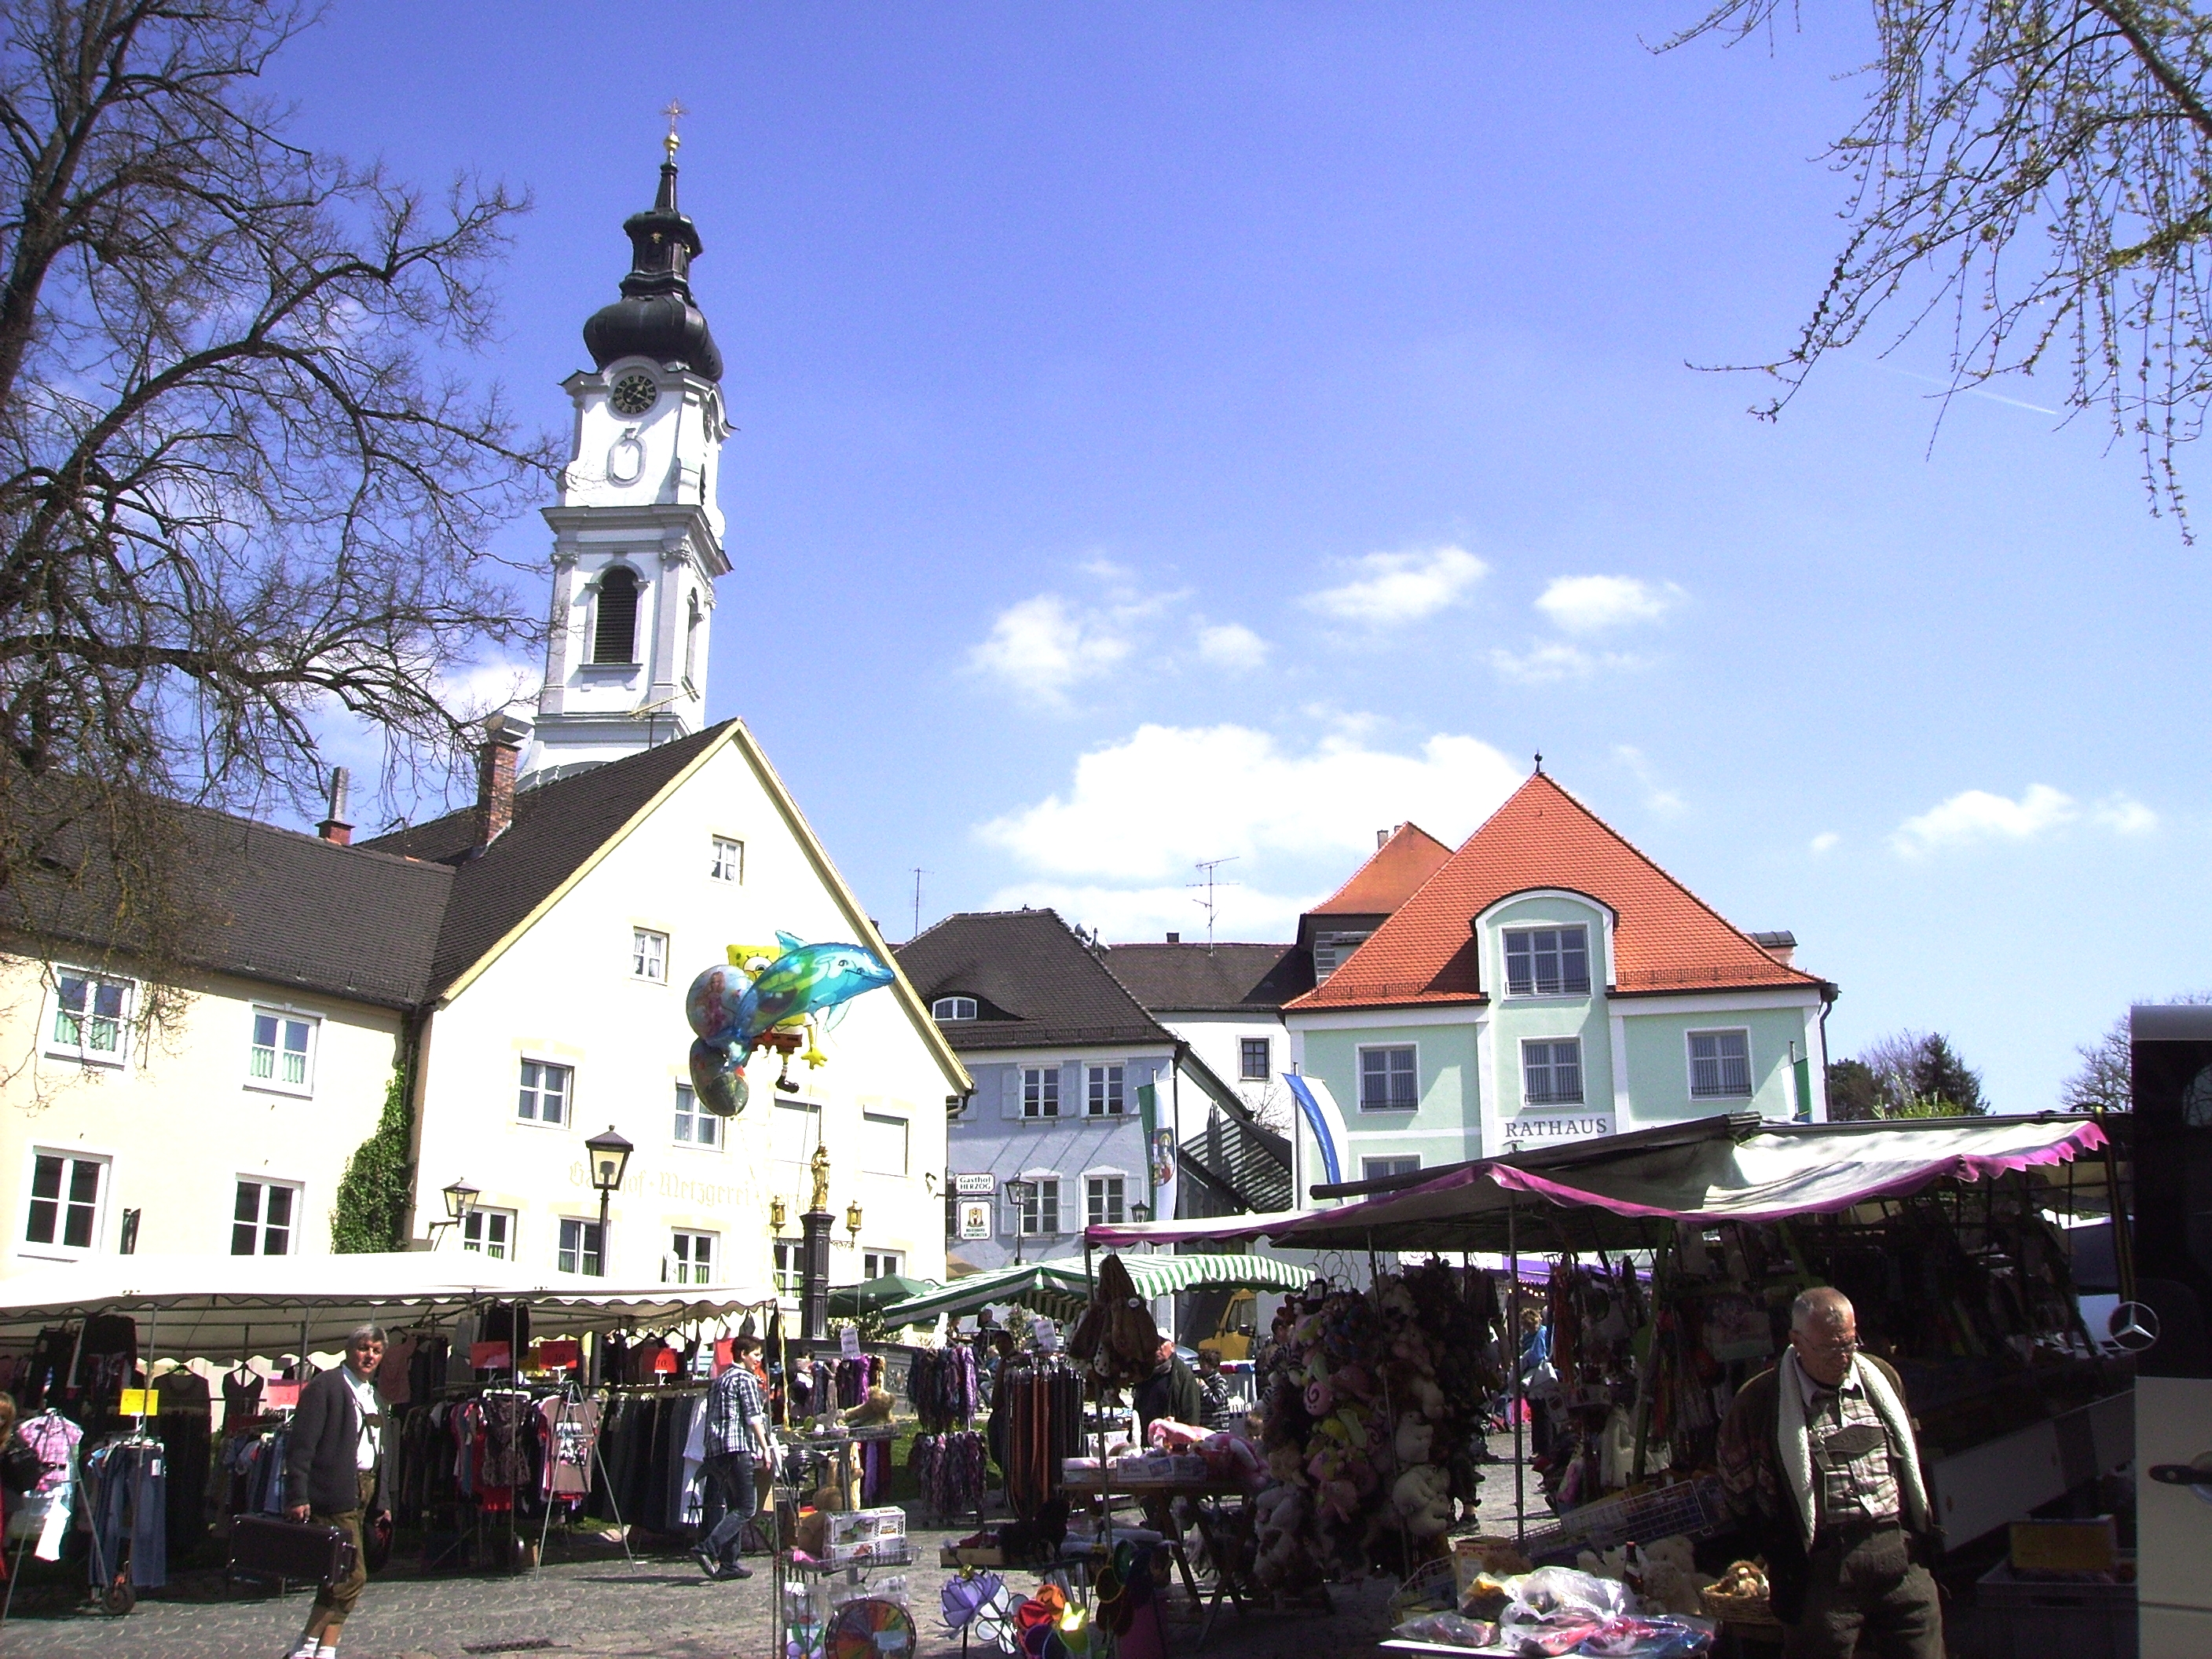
column 1231, row 1580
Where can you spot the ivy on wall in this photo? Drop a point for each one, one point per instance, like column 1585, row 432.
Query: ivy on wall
column 371, row 1204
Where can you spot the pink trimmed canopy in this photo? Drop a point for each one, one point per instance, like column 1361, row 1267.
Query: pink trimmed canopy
column 1598, row 1194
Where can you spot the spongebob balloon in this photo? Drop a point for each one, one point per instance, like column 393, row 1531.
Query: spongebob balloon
column 735, row 1009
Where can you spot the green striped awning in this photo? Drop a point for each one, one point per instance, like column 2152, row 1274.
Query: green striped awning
column 1059, row 1289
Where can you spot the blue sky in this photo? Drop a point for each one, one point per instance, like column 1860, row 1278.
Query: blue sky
column 1175, row 432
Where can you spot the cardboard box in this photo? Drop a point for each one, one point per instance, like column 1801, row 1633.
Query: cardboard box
column 864, row 1527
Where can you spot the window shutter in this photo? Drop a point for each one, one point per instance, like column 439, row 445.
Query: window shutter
column 1009, row 1091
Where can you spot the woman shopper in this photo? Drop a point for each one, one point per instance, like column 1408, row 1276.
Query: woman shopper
column 334, row 1474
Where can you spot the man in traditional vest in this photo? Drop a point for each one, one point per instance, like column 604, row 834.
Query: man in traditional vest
column 1823, row 1476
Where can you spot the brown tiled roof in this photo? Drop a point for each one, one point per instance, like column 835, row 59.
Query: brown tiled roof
column 1665, row 937
column 1393, row 875
column 1191, row 979
column 1035, row 983
column 557, row 827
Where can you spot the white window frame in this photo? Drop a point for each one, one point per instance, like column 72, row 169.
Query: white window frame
column 1381, row 1169
column 282, row 1015
column 69, row 1156
column 1105, row 1198
column 648, row 955
column 570, row 1258
column 1244, row 1072
column 59, row 1048
column 1030, row 1212
column 1044, row 1081
column 1689, row 1059
column 788, row 1257
column 727, row 861
column 259, row 1227
column 1563, row 988
column 689, row 1112
column 950, row 1008
column 481, row 1217
column 1412, row 1048
column 878, row 1264
column 1550, row 1046
column 1105, row 1089
column 691, row 1254
column 523, row 1085
column 886, row 1120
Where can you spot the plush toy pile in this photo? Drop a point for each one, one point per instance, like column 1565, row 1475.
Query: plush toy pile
column 1371, row 1404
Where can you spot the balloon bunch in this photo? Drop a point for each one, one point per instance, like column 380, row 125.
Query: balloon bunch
column 761, row 995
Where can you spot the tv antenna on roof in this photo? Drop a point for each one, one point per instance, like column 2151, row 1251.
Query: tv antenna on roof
column 1207, row 903
column 919, row 872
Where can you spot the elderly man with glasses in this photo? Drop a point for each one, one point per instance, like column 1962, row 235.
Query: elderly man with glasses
column 1823, row 1476
column 334, row 1474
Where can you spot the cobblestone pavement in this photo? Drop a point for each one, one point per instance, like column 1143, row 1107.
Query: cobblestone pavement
column 604, row 1607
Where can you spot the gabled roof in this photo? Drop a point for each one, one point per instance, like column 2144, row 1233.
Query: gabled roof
column 1211, row 978
column 1037, row 984
column 1386, row 880
column 1665, row 937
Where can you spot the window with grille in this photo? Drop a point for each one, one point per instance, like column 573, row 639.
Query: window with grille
column 544, row 1095
column 946, row 1008
column 1104, row 1096
column 1040, row 1203
column 1040, row 1091
column 91, row 1016
column 1374, row 1169
column 1252, row 1054
column 1547, row 962
column 65, row 1198
column 1386, row 1080
column 693, row 1127
column 1720, row 1064
column 262, row 1219
column 1103, row 1196
column 648, row 955
column 283, row 1051
column 488, row 1232
column 580, row 1249
column 729, row 860
column 691, row 1256
column 614, row 632
column 1551, row 1072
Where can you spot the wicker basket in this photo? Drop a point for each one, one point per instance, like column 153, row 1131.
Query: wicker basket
column 1750, row 1613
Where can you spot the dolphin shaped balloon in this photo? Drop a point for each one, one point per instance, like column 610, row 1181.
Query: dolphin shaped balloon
column 731, row 1012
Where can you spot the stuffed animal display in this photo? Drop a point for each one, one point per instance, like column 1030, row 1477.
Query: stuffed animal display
column 1371, row 1403
column 1115, row 1340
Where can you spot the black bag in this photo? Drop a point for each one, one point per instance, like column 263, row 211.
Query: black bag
column 309, row 1552
column 376, row 1543
column 19, row 1467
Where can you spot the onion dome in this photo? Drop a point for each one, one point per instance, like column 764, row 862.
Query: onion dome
column 656, row 317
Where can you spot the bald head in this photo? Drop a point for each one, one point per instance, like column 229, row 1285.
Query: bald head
column 1820, row 1307
column 1824, row 1332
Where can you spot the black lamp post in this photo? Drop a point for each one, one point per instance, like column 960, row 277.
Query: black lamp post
column 610, row 1155
column 1021, row 1192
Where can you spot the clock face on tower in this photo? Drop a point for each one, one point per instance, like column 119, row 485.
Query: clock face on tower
column 633, row 394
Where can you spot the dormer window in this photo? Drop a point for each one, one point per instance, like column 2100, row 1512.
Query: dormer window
column 614, row 630
column 948, row 1008
column 1547, row 962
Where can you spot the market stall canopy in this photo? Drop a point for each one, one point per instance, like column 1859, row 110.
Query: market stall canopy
column 851, row 1301
column 210, row 1305
column 1059, row 1289
column 1597, row 1194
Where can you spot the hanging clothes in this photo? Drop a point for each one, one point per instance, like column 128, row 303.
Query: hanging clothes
column 571, row 1428
column 183, row 1420
column 944, row 1387
column 1037, row 1420
column 127, row 1500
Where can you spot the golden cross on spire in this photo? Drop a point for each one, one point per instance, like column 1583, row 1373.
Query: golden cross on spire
column 673, row 113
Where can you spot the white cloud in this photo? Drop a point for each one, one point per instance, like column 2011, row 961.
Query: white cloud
column 1231, row 645
column 1668, row 803
column 1824, row 842
column 2124, row 815
column 1549, row 661
column 1043, row 646
column 1146, row 810
column 1390, row 588
column 1591, row 604
column 1976, row 815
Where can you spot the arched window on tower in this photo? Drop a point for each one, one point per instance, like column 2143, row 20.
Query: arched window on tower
column 614, row 634
column 691, row 644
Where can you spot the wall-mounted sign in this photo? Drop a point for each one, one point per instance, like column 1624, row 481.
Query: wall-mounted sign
column 1537, row 1130
column 975, row 1217
column 975, row 1186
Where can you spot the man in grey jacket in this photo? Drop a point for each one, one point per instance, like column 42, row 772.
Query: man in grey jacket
column 333, row 1474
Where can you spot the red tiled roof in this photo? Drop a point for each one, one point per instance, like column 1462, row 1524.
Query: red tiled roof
column 1393, row 875
column 1665, row 937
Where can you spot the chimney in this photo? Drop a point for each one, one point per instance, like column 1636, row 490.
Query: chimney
column 335, row 828
column 1174, row 939
column 1381, row 838
column 505, row 733
column 1782, row 945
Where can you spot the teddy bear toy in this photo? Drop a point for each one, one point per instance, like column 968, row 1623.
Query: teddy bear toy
column 1415, row 1441
column 1422, row 1498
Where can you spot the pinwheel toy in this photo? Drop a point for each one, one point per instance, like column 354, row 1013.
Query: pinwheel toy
column 870, row 1628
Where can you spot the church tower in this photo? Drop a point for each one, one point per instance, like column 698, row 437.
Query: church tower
column 637, row 537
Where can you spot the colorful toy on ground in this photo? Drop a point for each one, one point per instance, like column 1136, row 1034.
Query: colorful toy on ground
column 764, row 998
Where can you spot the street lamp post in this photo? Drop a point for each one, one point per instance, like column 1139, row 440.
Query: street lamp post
column 610, row 1155
column 1021, row 1192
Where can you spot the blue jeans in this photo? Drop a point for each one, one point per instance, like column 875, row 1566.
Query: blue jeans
column 732, row 1473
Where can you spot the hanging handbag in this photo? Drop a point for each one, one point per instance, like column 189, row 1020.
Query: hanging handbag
column 376, row 1543
column 21, row 1469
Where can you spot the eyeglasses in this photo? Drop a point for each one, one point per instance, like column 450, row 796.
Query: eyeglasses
column 1840, row 1344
